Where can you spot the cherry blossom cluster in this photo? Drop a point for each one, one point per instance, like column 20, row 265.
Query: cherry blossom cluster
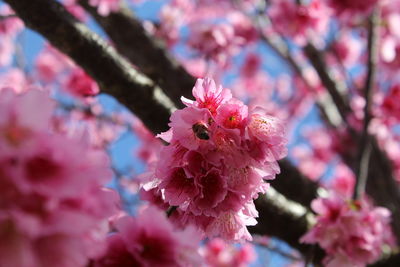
column 218, row 156
column 53, row 207
column 149, row 239
column 352, row 232
column 299, row 21
column 218, row 253
column 218, row 42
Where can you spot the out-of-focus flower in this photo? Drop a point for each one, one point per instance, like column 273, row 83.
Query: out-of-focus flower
column 352, row 232
column 150, row 240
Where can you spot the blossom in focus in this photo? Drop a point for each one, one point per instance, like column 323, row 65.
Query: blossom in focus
column 150, row 240
column 215, row 166
column 352, row 232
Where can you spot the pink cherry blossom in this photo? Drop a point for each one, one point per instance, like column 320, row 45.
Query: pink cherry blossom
column 391, row 104
column 217, row 42
column 48, row 182
column 347, row 49
column 151, row 146
column 343, row 181
column 50, row 63
column 80, row 84
column 74, row 8
column 15, row 79
column 171, row 17
column 11, row 26
column 215, row 163
column 150, row 240
column 352, row 232
column 7, row 50
column 208, row 95
column 243, row 27
column 299, row 21
column 232, row 115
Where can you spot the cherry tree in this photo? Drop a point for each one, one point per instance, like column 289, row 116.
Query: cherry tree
column 264, row 125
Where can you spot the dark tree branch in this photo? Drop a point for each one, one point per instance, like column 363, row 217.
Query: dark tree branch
column 285, row 220
column 114, row 74
column 144, row 51
column 392, row 261
column 364, row 144
column 294, row 185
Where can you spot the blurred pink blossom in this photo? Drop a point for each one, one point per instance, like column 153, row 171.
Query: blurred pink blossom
column 352, row 232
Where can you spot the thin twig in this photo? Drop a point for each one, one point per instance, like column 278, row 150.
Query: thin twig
column 317, row 61
column 365, row 142
column 278, row 45
column 343, row 69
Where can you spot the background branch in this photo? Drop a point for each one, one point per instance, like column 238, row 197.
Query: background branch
column 364, row 144
column 285, row 220
column 294, row 185
column 145, row 52
column 318, row 62
column 325, row 105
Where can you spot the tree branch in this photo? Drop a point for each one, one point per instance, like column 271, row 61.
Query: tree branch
column 114, row 74
column 285, row 220
column 144, row 51
column 294, row 185
column 364, row 144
